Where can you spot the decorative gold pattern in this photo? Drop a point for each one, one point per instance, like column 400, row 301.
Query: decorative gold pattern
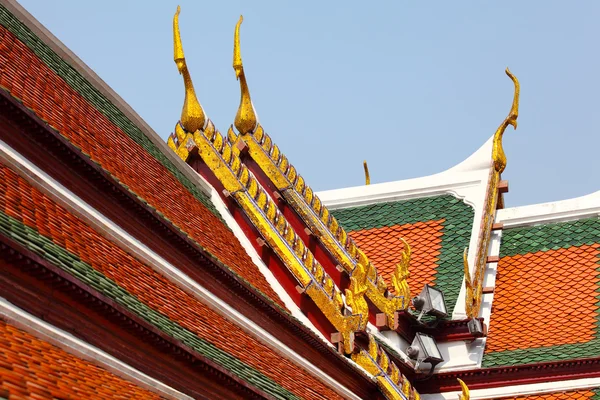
column 217, row 153
column 498, row 152
column 245, row 119
column 223, row 160
column 464, row 395
column 355, row 294
column 401, row 273
column 391, row 382
column 318, row 218
column 471, row 299
column 473, row 304
column 192, row 114
column 367, row 177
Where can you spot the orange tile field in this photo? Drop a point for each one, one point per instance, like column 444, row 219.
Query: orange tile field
column 383, row 247
column 21, row 201
column 31, row 368
column 40, row 89
column 545, row 298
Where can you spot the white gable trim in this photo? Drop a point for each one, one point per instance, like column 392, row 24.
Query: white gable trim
column 577, row 208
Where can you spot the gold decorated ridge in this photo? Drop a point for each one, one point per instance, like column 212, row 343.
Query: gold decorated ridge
column 367, row 176
column 319, row 220
column 393, row 384
column 238, row 181
column 474, row 286
column 192, row 114
column 497, row 151
column 245, row 119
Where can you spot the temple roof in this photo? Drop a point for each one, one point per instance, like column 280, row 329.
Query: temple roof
column 437, row 228
column 547, row 285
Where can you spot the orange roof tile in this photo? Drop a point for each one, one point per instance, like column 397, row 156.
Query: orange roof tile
column 33, row 368
column 25, row 203
column 572, row 395
column 54, row 101
column 545, row 298
column 383, row 247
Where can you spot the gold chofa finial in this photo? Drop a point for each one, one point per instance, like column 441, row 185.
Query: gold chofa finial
column 497, row 152
column 245, row 119
column 192, row 114
column 464, row 395
column 367, row 176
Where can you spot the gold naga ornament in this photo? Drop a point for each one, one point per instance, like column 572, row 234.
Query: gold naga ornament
column 221, row 158
column 465, row 394
column 192, row 114
column 245, row 119
column 401, row 273
column 497, row 151
column 392, row 383
column 301, row 197
column 474, row 285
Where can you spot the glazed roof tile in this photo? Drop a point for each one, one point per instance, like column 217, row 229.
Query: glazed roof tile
column 437, row 228
column 546, row 297
column 570, row 395
column 33, row 368
column 383, row 247
column 80, row 113
column 46, row 228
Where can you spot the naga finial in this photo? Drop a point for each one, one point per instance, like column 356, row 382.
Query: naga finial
column 464, row 395
column 245, row 119
column 497, row 152
column 192, row 114
column 401, row 274
column 355, row 294
column 367, row 177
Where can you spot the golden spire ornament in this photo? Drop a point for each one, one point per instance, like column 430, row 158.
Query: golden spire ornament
column 245, row 119
column 367, row 176
column 497, row 151
column 192, row 114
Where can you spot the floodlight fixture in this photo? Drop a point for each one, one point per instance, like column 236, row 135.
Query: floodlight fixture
column 430, row 301
column 424, row 349
column 475, row 327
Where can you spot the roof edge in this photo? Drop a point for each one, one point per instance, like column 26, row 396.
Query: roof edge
column 557, row 211
column 85, row 71
column 456, row 180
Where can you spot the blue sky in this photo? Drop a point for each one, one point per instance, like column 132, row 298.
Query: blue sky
column 412, row 87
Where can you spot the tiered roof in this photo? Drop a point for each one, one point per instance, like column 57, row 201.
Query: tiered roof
column 239, row 281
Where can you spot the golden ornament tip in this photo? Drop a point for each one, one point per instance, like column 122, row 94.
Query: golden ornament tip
column 367, row 176
column 192, row 114
column 245, row 119
column 498, row 155
column 465, row 394
column 237, row 56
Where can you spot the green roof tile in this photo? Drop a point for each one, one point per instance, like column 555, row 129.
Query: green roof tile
column 71, row 264
column 458, row 223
